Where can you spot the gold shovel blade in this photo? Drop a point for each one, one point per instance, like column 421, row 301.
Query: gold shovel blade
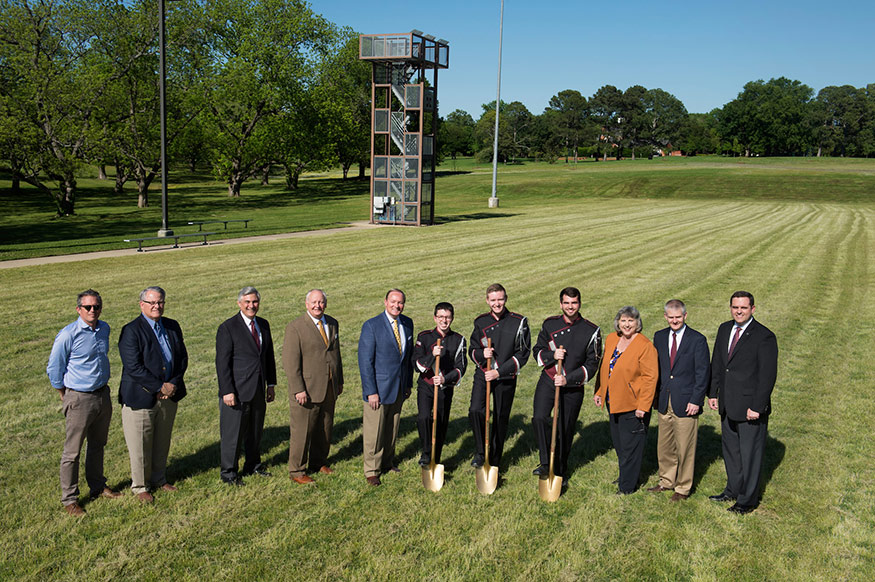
column 550, row 487
column 487, row 479
column 433, row 477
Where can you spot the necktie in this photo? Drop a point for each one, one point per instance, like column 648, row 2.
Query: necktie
column 322, row 331
column 397, row 336
column 674, row 348
column 734, row 339
column 255, row 335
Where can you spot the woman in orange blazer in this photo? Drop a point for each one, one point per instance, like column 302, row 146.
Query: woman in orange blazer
column 626, row 383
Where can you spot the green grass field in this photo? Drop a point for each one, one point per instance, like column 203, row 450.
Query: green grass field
column 797, row 233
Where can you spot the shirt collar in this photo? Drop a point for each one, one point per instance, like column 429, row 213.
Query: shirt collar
column 316, row 321
column 150, row 321
column 246, row 320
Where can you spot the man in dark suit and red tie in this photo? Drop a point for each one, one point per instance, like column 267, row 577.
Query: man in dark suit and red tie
column 386, row 370
column 684, row 375
column 246, row 368
column 744, row 366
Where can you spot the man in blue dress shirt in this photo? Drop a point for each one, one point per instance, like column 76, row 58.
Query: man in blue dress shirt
column 79, row 369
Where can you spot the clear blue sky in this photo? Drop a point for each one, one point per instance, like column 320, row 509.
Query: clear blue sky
column 702, row 52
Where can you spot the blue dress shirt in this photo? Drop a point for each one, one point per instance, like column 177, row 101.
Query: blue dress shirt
column 79, row 358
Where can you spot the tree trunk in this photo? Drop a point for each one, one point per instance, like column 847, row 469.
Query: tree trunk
column 101, row 171
column 235, row 179
column 361, row 170
column 143, row 183
column 265, row 175
column 16, row 181
column 346, row 166
column 65, row 196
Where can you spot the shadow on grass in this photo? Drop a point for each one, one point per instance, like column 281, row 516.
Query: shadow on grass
column 472, row 216
column 442, row 173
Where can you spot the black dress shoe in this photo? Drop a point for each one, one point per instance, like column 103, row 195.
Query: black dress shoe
column 621, row 492
column 541, row 470
column 477, row 461
column 424, row 460
column 721, row 497
column 233, row 481
column 740, row 509
column 259, row 470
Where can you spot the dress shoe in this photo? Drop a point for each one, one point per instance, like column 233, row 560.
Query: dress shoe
column 477, row 461
column 233, row 481
column 107, row 492
column 259, row 470
column 326, row 470
column 740, row 509
column 169, row 488
column 303, row 480
column 373, row 480
column 424, row 460
column 145, row 497
column 541, row 470
column 679, row 496
column 721, row 497
column 658, row 489
column 622, row 492
column 615, row 481
column 74, row 509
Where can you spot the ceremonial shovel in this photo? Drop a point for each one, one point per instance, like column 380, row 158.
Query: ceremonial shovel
column 487, row 477
column 433, row 475
column 550, row 486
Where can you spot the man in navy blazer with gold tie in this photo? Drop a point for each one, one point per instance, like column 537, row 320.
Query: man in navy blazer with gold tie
column 386, row 370
column 744, row 367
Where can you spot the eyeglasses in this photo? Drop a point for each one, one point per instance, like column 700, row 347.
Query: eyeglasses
column 153, row 303
column 444, row 317
column 91, row 307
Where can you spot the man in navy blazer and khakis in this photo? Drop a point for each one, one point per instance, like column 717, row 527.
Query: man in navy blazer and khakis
column 386, row 369
column 246, row 369
column 744, row 367
column 154, row 360
column 684, row 375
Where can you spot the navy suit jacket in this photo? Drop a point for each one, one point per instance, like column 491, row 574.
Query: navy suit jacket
column 687, row 381
column 240, row 366
column 747, row 378
column 143, row 363
column 383, row 370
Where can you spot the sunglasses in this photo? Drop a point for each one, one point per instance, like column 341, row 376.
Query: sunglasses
column 91, row 307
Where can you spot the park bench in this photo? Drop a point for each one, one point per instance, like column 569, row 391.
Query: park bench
column 175, row 238
column 200, row 223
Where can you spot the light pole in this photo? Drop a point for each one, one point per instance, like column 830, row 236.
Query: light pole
column 165, row 227
column 493, row 200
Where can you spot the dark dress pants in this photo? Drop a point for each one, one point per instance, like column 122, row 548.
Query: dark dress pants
column 424, row 401
column 743, row 445
column 240, row 426
column 570, row 400
column 629, row 435
column 502, row 401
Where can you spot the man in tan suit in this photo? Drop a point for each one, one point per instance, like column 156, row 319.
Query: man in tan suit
column 311, row 359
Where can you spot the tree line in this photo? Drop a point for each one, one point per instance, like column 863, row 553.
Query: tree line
column 778, row 117
column 250, row 84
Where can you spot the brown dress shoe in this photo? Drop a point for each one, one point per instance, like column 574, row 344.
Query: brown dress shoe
column 658, row 489
column 74, row 509
column 303, row 480
column 169, row 488
column 326, row 470
column 108, row 493
column 373, row 480
column 145, row 497
column 679, row 496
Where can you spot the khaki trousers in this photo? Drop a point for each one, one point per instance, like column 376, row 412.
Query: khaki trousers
column 676, row 450
column 147, row 434
column 87, row 417
column 379, row 431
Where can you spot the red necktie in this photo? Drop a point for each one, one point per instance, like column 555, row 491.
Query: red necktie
column 734, row 339
column 674, row 348
column 255, row 335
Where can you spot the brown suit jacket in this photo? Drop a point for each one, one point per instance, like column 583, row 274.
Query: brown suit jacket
column 311, row 366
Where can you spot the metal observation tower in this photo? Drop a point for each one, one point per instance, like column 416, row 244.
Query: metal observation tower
column 404, row 120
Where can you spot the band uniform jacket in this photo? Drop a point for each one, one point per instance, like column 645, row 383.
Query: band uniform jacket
column 310, row 365
column 687, row 381
column 747, row 378
column 240, row 367
column 383, row 370
column 143, row 371
column 454, row 361
column 511, row 343
column 582, row 340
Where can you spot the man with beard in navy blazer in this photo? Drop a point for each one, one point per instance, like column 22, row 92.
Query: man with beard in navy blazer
column 246, row 368
column 154, row 360
column 684, row 375
column 386, row 370
column 744, row 366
